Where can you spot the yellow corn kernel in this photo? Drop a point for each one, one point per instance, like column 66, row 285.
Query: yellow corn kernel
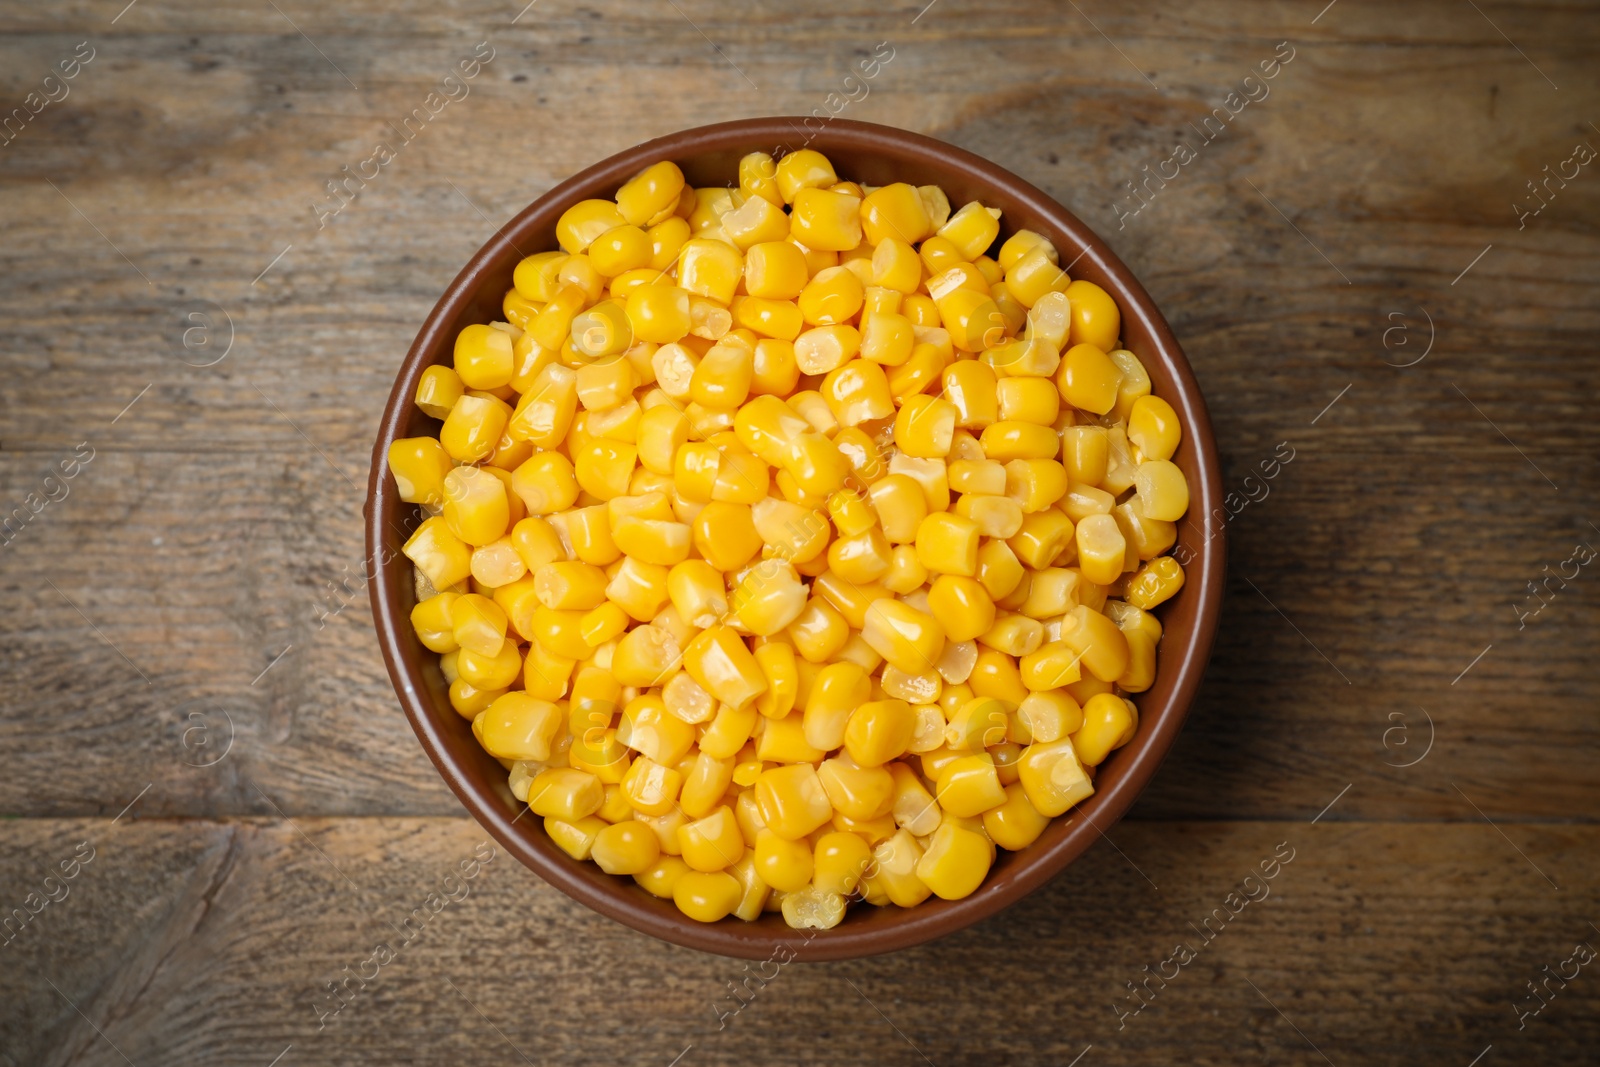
column 820, row 350
column 1028, row 400
column 519, row 727
column 606, row 385
column 719, row 661
column 1107, row 724
column 535, row 276
column 626, row 848
column 652, row 540
column 819, row 631
column 971, row 386
column 886, row 338
column 438, row 553
column 565, row 793
column 620, row 250
column 851, row 514
column 430, row 619
column 861, row 559
column 662, row 431
column 879, row 731
column 895, row 870
column 909, row 639
column 775, row 270
column 758, row 177
column 1052, row 592
column 900, row 506
column 779, row 319
column 646, row 656
column 857, row 392
column 698, row 592
column 579, row 272
column 972, row 229
column 1135, row 383
column 741, row 478
column 956, row 862
column 576, row 839
column 1083, row 501
column 895, row 212
column 658, row 313
column 545, row 412
column 545, row 484
column 755, row 221
column 1147, row 538
column 1049, row 667
column 570, row 586
column 793, row 801
column 586, row 220
column 1095, row 318
column 783, row 741
column 1043, row 538
column 962, row 606
column 437, row 391
column 1141, row 672
column 604, row 467
column 896, row 266
column 1035, row 484
column 784, row 864
column 667, row 239
column 615, row 809
column 706, row 896
column 838, row 690
column 839, row 859
column 985, row 477
column 996, row 516
column 662, row 877
column 473, row 428
column 1020, row 244
column 948, row 544
column 973, row 320
column 774, row 371
column 1163, row 490
column 725, row 535
column 880, row 300
column 420, row 466
column 777, row 665
column 1155, row 583
column 710, row 268
column 924, row 426
column 1153, row 428
column 1006, row 441
column 683, row 697
column 1097, row 639
column 1016, row 824
column 1101, row 549
column 825, row 219
column 653, row 190
column 1015, row 635
column 905, row 573
column 769, row 597
column 833, row 296
column 553, row 328
column 805, row 169
column 995, row 674
column 969, row 785
column 1034, row 275
column 856, row 792
column 1087, row 378
column 483, row 357
column 1052, row 777
column 651, row 788
column 489, row 670
column 1047, row 716
column 981, row 723
column 638, row 588
column 790, row 531
column 712, row 843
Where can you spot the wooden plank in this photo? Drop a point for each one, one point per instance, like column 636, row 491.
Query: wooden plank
column 204, row 942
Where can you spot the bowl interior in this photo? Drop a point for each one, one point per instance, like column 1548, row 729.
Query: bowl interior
column 874, row 155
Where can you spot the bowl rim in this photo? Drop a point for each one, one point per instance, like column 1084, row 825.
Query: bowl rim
column 439, row 731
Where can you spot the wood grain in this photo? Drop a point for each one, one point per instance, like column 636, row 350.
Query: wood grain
column 186, row 630
column 240, row 925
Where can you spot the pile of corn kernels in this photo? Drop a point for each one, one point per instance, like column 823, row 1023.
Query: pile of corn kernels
column 789, row 548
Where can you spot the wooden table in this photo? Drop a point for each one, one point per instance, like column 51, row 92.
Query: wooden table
column 195, row 697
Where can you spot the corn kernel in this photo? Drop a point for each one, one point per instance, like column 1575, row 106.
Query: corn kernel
column 972, row 229
column 1155, row 583
column 911, row 640
column 826, row 219
column 710, row 268
column 793, row 800
column 1095, row 318
column 834, row 295
column 1163, row 490
column 805, row 169
column 955, row 863
column 626, row 848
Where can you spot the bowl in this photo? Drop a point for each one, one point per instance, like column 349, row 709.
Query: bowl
column 872, row 154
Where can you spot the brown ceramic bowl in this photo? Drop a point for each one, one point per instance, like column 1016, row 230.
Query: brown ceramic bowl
column 876, row 155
